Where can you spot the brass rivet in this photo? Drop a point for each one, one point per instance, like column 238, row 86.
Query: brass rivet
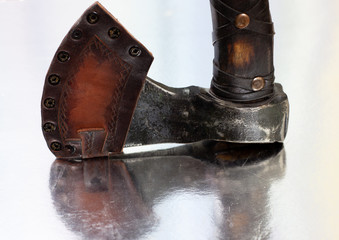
column 55, row 146
column 114, row 33
column 92, row 17
column 76, row 34
column 49, row 103
column 242, row 21
column 258, row 83
column 135, row 51
column 49, row 127
column 63, row 56
column 54, row 79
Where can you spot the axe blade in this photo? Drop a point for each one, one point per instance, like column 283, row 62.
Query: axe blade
column 184, row 115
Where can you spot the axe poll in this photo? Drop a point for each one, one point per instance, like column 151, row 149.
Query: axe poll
column 97, row 97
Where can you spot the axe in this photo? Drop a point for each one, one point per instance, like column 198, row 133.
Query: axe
column 97, row 97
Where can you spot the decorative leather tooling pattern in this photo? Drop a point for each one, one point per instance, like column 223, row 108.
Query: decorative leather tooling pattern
column 103, row 56
column 92, row 87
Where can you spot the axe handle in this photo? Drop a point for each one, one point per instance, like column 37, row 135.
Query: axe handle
column 243, row 50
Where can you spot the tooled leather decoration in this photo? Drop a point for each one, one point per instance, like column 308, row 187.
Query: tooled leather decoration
column 92, row 87
column 232, row 86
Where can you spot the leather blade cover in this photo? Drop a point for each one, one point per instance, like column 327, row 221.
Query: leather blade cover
column 92, row 87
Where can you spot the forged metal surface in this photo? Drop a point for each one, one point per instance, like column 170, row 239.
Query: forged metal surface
column 191, row 114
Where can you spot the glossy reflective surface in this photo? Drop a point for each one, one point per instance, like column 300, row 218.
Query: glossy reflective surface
column 171, row 197
column 145, row 196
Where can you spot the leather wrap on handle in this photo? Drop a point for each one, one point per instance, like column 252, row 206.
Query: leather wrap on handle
column 243, row 50
column 92, row 87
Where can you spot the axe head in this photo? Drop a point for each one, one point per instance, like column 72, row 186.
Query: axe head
column 91, row 104
column 184, row 115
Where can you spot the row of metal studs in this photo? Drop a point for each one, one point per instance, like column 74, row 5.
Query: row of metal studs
column 64, row 56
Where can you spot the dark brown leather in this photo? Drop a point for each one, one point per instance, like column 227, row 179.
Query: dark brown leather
column 242, row 54
column 92, row 87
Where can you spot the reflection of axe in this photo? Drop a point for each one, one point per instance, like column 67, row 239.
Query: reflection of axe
column 91, row 105
column 99, row 199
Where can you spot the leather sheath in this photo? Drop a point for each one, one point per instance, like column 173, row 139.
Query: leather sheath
column 92, row 87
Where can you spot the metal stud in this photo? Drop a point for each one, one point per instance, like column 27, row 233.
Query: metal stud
column 135, row 51
column 63, row 56
column 49, row 127
column 70, row 148
column 92, row 17
column 114, row 33
column 76, row 34
column 242, row 21
column 56, row 146
column 258, row 83
column 54, row 79
column 49, row 103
